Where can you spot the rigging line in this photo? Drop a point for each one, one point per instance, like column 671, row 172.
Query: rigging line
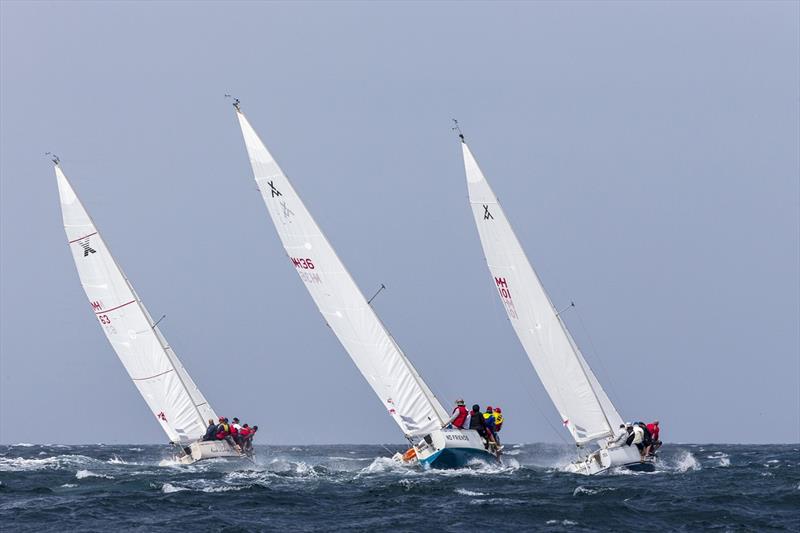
column 596, row 355
column 558, row 433
column 369, row 302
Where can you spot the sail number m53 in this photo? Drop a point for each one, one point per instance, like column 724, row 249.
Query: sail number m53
column 304, row 263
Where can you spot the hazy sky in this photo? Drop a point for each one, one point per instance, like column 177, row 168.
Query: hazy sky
column 647, row 154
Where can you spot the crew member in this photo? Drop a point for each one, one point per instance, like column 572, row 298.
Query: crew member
column 652, row 427
column 498, row 423
column 622, row 436
column 638, row 440
column 211, row 430
column 488, row 417
column 478, row 423
column 235, row 428
column 459, row 415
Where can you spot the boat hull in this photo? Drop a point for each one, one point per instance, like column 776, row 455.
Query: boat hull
column 607, row 458
column 212, row 449
column 452, row 448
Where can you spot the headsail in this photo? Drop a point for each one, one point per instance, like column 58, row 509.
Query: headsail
column 583, row 405
column 381, row 361
column 172, row 396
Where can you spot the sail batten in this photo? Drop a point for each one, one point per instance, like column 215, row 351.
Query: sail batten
column 404, row 394
column 582, row 403
column 152, row 365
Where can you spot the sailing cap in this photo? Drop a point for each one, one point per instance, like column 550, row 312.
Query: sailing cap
column 222, row 419
column 459, row 402
column 488, row 408
column 498, row 410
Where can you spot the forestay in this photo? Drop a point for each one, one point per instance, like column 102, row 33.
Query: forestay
column 580, row 400
column 172, row 396
column 390, row 374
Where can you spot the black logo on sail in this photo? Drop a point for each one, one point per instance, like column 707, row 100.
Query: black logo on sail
column 275, row 192
column 86, row 248
column 486, row 214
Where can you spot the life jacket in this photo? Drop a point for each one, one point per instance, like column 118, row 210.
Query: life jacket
column 461, row 418
column 498, row 419
column 234, row 431
column 489, row 419
column 244, row 432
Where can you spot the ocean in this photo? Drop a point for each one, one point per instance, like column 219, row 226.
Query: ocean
column 326, row 488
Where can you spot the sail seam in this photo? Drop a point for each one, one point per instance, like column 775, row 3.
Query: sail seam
column 81, row 238
column 113, row 308
column 155, row 376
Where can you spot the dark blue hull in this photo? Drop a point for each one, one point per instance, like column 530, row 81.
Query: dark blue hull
column 647, row 466
column 457, row 458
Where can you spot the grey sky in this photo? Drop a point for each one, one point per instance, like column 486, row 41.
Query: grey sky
column 647, row 154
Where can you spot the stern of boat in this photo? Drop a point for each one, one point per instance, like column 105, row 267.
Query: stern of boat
column 208, row 450
column 452, row 448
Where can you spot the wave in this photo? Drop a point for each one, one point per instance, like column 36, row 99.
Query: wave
column 17, row 464
column 686, row 462
column 580, row 489
column 465, row 492
column 83, row 474
column 169, row 488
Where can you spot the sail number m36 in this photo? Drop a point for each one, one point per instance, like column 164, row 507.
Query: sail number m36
column 304, row 263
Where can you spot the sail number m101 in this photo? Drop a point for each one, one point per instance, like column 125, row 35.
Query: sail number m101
column 304, row 263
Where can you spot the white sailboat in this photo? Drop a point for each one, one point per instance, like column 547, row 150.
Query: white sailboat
column 173, row 398
column 406, row 397
column 585, row 409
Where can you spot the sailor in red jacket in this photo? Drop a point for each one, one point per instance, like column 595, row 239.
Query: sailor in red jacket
column 652, row 427
column 459, row 415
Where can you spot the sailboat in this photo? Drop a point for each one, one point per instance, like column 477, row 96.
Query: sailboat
column 173, row 398
column 402, row 391
column 585, row 409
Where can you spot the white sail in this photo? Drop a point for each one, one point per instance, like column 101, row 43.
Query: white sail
column 172, row 396
column 390, row 374
column 580, row 400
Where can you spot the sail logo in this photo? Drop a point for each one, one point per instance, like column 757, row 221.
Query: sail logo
column 304, row 263
column 162, row 416
column 274, row 190
column 97, row 306
column 486, row 214
column 86, row 248
column 505, row 295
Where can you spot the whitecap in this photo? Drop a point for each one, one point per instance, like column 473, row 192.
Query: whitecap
column 562, row 522
column 115, row 460
column 83, row 474
column 168, row 488
column 136, row 449
column 686, row 462
column 580, row 489
column 494, row 501
column 24, row 445
column 465, row 492
column 69, row 485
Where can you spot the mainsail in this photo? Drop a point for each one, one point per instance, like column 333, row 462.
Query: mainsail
column 172, row 396
column 584, row 407
column 381, row 361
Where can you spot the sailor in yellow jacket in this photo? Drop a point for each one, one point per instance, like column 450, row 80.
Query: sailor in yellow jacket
column 498, row 422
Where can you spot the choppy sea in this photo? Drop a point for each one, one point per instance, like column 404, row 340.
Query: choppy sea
column 326, row 488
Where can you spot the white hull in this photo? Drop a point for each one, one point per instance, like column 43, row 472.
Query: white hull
column 607, row 458
column 452, row 448
column 210, row 450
